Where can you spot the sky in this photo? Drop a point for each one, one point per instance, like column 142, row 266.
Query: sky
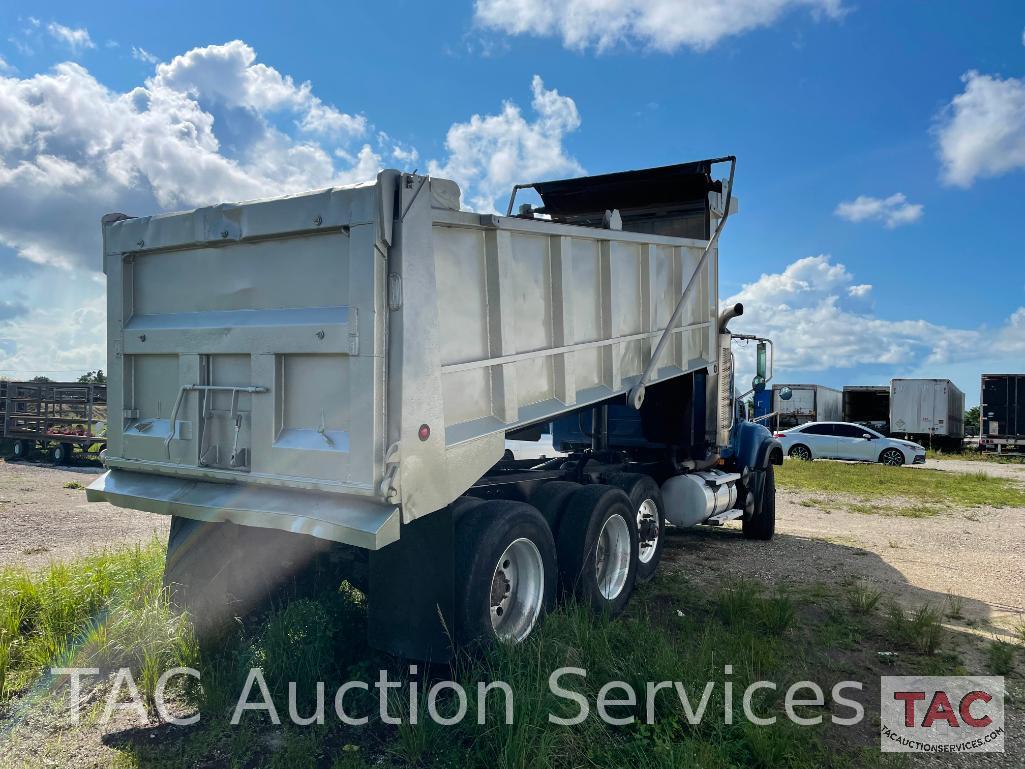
column 881, row 147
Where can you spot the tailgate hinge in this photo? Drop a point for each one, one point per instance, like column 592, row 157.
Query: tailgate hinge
column 390, row 483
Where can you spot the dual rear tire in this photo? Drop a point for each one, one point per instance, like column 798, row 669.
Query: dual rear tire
column 581, row 540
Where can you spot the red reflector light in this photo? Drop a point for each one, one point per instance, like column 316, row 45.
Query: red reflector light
column 777, row 435
column 424, row 432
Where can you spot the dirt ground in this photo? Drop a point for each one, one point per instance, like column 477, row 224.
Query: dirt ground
column 971, row 559
column 42, row 521
column 974, row 555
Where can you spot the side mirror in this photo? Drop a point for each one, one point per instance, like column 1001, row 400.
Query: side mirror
column 867, row 436
column 758, row 384
column 785, row 393
column 760, row 362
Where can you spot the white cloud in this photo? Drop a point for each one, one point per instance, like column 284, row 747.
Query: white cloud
column 893, row 211
column 72, row 149
column 4, row 66
column 490, row 153
column 665, row 25
column 75, row 38
column 143, row 55
column 211, row 125
column 982, row 131
column 806, row 311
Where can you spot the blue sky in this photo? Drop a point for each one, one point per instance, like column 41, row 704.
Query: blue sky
column 822, row 100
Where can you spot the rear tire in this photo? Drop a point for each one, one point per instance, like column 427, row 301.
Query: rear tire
column 761, row 524
column 802, row 452
column 646, row 498
column 21, row 450
column 506, row 572
column 61, row 453
column 598, row 548
column 550, row 499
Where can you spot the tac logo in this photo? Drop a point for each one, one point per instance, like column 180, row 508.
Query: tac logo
column 934, row 714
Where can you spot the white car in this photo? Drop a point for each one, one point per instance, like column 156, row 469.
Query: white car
column 844, row 440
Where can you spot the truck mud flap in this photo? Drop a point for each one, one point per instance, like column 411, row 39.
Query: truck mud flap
column 333, row 517
column 412, row 591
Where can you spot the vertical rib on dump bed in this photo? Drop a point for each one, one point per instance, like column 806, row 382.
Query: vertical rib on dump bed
column 328, row 361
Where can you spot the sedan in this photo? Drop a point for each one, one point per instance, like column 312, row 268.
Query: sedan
column 844, row 440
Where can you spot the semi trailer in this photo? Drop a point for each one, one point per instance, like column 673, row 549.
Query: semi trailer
column 927, row 410
column 806, row 403
column 331, row 377
column 1002, row 412
column 867, row 405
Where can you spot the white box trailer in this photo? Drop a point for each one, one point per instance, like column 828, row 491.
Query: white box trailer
column 343, row 363
column 807, row 403
column 927, row 408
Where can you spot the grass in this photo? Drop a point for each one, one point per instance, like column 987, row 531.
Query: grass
column 918, row 629
column 872, row 488
column 1000, row 656
column 73, row 485
column 977, row 456
column 110, row 609
column 106, row 610
column 863, row 599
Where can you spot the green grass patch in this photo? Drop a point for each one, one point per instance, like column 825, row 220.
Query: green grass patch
column 105, row 611
column 977, row 456
column 928, row 491
column 1000, row 656
column 113, row 612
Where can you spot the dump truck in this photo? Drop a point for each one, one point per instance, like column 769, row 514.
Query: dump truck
column 331, row 377
column 1002, row 413
column 867, row 405
column 930, row 411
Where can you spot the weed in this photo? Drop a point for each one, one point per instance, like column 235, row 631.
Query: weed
column 919, row 629
column 863, row 599
column 1000, row 655
column 955, row 606
column 73, row 485
column 1019, row 630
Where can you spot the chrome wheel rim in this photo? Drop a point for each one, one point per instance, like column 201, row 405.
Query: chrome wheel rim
column 892, row 458
column 612, row 557
column 648, row 530
column 801, row 453
column 517, row 591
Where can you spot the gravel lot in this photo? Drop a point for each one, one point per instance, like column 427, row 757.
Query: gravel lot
column 975, row 555
column 41, row 520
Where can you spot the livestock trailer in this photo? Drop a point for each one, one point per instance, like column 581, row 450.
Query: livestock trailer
column 1002, row 412
column 55, row 417
column 808, row 403
column 928, row 410
column 333, row 375
column 867, row 405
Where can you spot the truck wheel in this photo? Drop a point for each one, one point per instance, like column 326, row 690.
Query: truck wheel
column 61, row 453
column 646, row 498
column 506, row 572
column 761, row 524
column 598, row 547
column 21, row 449
column 892, row 457
column 551, row 498
column 802, row 452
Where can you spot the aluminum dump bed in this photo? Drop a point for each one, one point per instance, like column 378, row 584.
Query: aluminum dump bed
column 333, row 362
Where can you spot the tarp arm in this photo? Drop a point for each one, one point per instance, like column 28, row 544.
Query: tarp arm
column 636, row 395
